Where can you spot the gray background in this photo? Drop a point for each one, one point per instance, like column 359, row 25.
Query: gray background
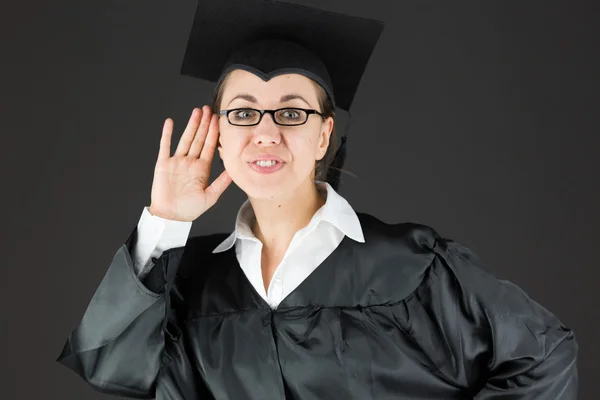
column 477, row 118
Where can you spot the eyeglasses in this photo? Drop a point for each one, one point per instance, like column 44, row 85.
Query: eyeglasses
column 281, row 116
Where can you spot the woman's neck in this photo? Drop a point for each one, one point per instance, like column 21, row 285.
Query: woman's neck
column 278, row 220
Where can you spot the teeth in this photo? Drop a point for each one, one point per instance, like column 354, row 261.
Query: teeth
column 265, row 163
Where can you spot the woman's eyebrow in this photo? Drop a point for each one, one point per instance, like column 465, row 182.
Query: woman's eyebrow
column 244, row 96
column 293, row 96
column 252, row 99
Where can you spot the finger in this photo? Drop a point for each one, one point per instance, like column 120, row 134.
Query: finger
column 216, row 189
column 189, row 133
column 208, row 150
column 165, row 140
column 200, row 136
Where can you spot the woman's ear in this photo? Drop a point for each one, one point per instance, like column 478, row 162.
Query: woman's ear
column 325, row 136
column 220, row 147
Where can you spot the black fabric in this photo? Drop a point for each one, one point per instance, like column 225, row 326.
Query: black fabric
column 269, row 37
column 270, row 57
column 406, row 315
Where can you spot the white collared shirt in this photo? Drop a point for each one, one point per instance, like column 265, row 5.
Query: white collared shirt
column 309, row 247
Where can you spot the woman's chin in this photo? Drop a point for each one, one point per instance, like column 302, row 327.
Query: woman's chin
column 266, row 188
column 264, row 191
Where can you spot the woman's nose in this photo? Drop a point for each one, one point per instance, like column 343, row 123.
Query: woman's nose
column 267, row 131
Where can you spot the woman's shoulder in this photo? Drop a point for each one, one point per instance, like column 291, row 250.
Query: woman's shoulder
column 416, row 236
column 417, row 257
column 412, row 237
column 395, row 258
column 426, row 262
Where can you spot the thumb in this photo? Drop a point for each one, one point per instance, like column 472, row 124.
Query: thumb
column 216, row 189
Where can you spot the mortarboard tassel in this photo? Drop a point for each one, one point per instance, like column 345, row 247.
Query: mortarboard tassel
column 334, row 172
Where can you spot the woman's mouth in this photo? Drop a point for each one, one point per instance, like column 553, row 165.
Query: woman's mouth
column 266, row 166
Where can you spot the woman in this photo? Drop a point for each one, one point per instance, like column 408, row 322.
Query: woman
column 306, row 299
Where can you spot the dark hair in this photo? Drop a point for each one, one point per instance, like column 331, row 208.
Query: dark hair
column 325, row 107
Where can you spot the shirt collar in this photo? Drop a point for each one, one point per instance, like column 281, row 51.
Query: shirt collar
column 336, row 210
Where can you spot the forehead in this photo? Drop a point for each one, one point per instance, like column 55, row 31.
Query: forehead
column 241, row 81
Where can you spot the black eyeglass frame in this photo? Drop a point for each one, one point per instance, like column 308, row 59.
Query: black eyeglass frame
column 308, row 112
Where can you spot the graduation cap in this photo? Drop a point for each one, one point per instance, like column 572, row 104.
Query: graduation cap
column 269, row 38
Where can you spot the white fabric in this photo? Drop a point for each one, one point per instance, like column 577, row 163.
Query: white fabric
column 310, row 246
column 154, row 236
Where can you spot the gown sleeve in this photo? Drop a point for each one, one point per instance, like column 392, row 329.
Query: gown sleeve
column 124, row 338
column 507, row 346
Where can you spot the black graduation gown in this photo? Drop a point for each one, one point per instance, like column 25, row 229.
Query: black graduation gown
column 406, row 315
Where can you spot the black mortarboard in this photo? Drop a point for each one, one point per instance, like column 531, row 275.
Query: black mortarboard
column 270, row 37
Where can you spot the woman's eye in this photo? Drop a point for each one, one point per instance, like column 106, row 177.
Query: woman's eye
column 244, row 114
column 290, row 114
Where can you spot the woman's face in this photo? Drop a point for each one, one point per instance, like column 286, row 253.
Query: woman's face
column 297, row 147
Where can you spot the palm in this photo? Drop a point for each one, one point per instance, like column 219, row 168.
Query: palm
column 180, row 189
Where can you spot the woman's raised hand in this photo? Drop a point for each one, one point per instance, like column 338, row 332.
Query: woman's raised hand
column 180, row 189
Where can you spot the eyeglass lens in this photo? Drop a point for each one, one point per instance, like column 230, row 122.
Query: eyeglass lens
column 249, row 116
